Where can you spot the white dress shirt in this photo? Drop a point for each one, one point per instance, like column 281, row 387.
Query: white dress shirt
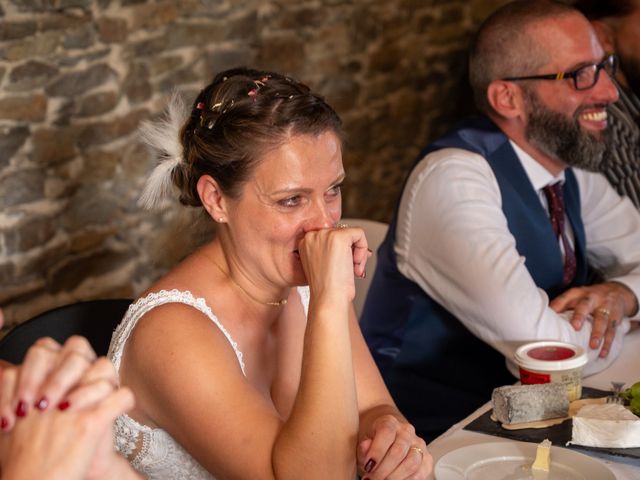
column 453, row 240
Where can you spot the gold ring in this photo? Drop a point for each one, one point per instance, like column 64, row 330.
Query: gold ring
column 603, row 311
column 418, row 449
column 342, row 225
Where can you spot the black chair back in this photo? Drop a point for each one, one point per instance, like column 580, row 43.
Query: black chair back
column 96, row 320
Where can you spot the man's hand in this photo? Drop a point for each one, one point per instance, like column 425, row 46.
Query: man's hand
column 608, row 303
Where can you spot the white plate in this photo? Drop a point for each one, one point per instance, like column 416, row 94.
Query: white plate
column 512, row 461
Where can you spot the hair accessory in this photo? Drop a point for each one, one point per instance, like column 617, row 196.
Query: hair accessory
column 200, row 106
column 163, row 141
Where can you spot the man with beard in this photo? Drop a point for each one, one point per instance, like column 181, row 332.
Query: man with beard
column 617, row 23
column 501, row 221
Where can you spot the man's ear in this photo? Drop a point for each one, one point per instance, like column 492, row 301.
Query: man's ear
column 605, row 35
column 212, row 198
column 505, row 99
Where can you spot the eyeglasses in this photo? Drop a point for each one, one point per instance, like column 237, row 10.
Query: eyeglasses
column 583, row 78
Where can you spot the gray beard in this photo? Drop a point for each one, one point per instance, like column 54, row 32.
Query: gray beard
column 564, row 139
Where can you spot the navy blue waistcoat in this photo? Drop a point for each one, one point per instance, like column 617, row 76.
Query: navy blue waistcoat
column 412, row 336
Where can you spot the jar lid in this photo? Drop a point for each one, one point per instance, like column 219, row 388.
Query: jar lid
column 550, row 356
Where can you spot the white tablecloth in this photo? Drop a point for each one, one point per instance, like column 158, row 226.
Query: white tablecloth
column 625, row 369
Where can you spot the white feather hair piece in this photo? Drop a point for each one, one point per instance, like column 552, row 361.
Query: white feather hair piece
column 162, row 138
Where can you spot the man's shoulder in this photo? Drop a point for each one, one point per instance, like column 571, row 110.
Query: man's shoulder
column 477, row 134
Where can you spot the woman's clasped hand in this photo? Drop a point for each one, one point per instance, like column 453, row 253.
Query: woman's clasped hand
column 56, row 412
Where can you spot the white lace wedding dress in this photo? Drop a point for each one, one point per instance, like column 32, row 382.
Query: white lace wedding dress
column 152, row 451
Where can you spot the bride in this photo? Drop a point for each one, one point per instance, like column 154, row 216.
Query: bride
column 246, row 360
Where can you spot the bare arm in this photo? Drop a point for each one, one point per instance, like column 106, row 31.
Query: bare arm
column 195, row 389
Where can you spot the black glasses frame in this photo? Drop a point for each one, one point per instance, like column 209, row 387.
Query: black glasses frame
column 610, row 61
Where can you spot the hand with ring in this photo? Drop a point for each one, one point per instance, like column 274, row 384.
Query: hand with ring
column 605, row 303
column 391, row 449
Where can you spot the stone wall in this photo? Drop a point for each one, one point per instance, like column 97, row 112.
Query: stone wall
column 78, row 76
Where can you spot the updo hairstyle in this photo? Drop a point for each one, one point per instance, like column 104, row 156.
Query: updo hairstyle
column 241, row 115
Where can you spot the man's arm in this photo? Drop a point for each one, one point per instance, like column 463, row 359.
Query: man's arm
column 453, row 240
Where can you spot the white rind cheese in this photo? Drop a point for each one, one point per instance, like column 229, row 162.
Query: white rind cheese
column 608, row 425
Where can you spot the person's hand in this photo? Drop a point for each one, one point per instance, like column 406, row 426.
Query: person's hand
column 331, row 257
column 66, row 432
column 607, row 303
column 390, row 449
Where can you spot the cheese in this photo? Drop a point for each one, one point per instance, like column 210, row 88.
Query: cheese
column 609, row 426
column 543, row 458
column 527, row 403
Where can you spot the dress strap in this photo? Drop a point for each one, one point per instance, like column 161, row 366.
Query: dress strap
column 143, row 305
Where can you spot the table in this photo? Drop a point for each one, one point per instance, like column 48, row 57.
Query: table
column 626, row 369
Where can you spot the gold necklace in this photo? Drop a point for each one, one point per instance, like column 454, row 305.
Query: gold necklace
column 278, row 303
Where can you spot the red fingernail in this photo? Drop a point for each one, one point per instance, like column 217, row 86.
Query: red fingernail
column 64, row 405
column 42, row 404
column 369, row 465
column 21, row 410
column 4, row 423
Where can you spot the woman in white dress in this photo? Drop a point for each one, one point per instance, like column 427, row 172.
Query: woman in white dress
column 246, row 360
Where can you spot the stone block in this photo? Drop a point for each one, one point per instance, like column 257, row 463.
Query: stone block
column 296, row 17
column 71, row 59
column 96, row 104
column 183, row 76
column 77, row 83
column 153, row 16
column 79, row 38
column 10, row 30
column 146, row 48
column 195, row 34
column 90, row 239
column 90, row 205
column 101, row 164
column 31, row 234
column 341, row 91
column 245, row 27
column 11, row 140
column 112, row 30
column 21, row 187
column 69, row 274
column 59, row 20
column 282, row 52
column 42, row 45
column 50, row 6
column 99, row 133
column 7, row 272
column 229, row 57
column 29, row 108
column 136, row 84
column 159, row 65
column 54, row 146
column 31, row 75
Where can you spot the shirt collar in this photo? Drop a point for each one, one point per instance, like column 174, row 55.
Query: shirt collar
column 539, row 176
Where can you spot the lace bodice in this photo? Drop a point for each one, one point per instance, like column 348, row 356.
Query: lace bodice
column 159, row 456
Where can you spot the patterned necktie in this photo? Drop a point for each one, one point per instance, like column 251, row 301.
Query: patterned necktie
column 555, row 199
